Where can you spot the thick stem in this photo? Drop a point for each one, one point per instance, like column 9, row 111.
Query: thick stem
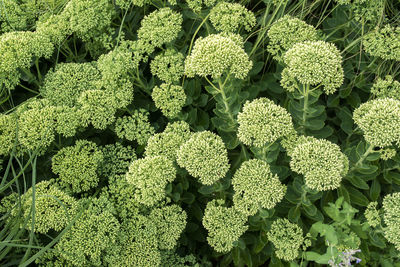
column 369, row 150
column 228, row 110
column 305, row 94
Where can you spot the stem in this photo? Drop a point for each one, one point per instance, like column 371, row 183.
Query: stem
column 305, row 107
column 225, row 100
column 363, row 157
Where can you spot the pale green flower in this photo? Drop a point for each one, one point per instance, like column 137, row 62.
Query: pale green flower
column 150, row 176
column 168, row 66
column 262, row 122
column 229, row 17
column 383, row 43
column 169, row 98
column 321, row 162
column 205, row 157
column 78, row 166
column 168, row 142
column 160, row 27
column 216, row 55
column 379, row 120
column 287, row 238
column 170, row 221
column 63, row 85
column 256, row 187
column 224, row 225
column 316, row 63
column 135, row 127
column 391, row 217
column 286, row 32
column 386, row 88
column 372, row 214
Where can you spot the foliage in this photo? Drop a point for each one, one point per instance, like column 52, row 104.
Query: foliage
column 199, row 133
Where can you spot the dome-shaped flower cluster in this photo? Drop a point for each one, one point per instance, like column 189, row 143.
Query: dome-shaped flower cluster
column 224, row 225
column 216, row 55
column 313, row 63
column 256, row 187
column 379, row 120
column 205, row 157
column 229, row 17
column 287, row 238
column 262, row 122
column 321, row 162
column 286, row 32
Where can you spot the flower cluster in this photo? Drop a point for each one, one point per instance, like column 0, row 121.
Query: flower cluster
column 387, row 87
column 149, row 176
column 224, row 225
column 17, row 49
column 379, row 119
column 169, row 98
column 286, row 32
column 205, row 157
column 54, row 209
column 160, row 27
column 78, row 165
column 391, row 217
column 287, row 238
column 168, row 66
column 256, row 187
column 63, row 85
column 315, row 63
column 383, row 43
column 216, row 55
column 168, row 142
column 262, row 122
column 365, row 10
column 321, row 162
column 372, row 214
column 135, row 127
column 229, row 17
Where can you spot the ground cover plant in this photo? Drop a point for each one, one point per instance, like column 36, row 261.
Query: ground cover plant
column 199, row 133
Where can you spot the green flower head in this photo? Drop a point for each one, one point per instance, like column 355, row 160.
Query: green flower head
column 320, row 161
column 383, row 43
column 286, row 32
column 216, row 55
column 135, row 127
column 391, row 217
column 169, row 98
column 379, row 119
column 168, row 66
column 150, row 175
column 205, row 157
column 386, row 88
column 160, row 27
column 78, row 165
column 287, row 238
column 256, row 187
column 262, row 122
column 168, row 142
column 315, row 63
column 229, row 17
column 224, row 225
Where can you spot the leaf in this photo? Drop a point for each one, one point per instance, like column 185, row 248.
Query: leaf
column 294, row 213
column 356, row 197
column 367, row 169
column 318, row 258
column 314, row 124
column 346, row 118
column 326, row 230
column 188, row 198
column 375, row 190
column 358, row 182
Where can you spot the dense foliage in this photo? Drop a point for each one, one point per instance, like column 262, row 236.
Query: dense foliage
column 199, row 133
